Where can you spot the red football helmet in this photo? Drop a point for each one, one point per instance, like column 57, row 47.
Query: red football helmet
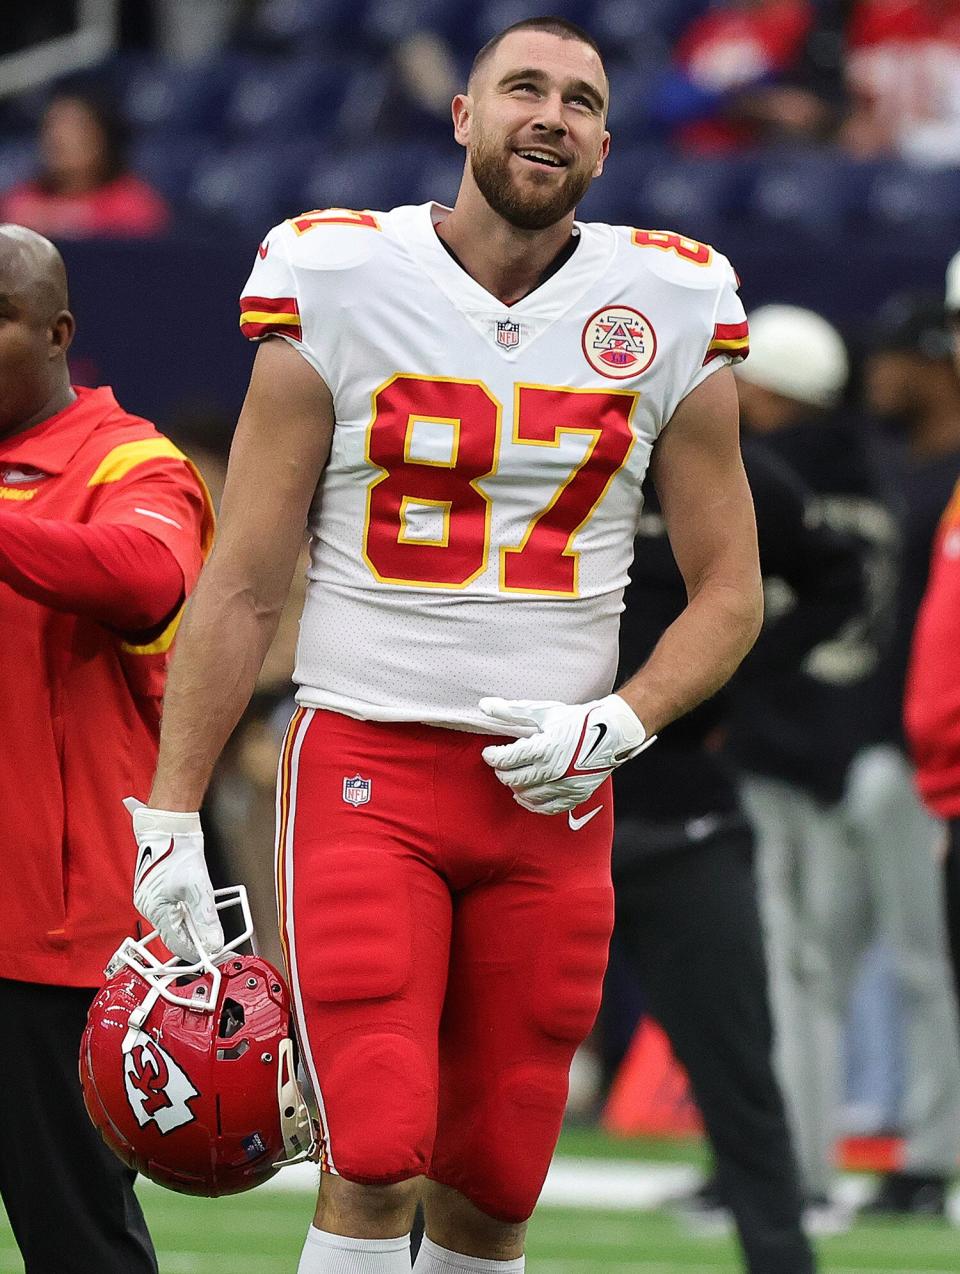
column 188, row 1069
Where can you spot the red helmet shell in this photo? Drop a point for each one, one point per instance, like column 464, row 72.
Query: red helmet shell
column 193, row 1103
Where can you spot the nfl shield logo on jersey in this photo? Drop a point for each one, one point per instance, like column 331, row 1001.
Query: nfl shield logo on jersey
column 508, row 333
column 356, row 791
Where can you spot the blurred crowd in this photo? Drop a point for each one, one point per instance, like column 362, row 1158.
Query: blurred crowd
column 860, row 97
column 343, row 95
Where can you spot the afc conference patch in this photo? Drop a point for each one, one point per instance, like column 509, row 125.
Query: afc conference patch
column 619, row 342
column 356, row 791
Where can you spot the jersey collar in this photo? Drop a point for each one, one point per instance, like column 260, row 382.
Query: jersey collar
column 52, row 444
column 546, row 303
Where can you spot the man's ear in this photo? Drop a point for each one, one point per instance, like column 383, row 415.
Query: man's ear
column 462, row 111
column 604, row 152
column 61, row 333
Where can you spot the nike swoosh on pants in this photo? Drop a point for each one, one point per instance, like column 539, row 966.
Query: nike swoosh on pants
column 577, row 823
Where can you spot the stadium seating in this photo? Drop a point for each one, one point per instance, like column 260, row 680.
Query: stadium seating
column 304, row 24
column 918, row 200
column 156, row 96
column 279, row 97
column 17, row 162
column 387, row 22
column 806, row 193
column 380, row 175
column 169, row 161
column 239, row 187
column 305, row 108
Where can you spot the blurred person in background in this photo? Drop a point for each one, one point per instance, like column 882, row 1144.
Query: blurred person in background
column 844, row 850
column 910, row 385
column 83, row 188
column 932, row 709
column 103, row 527
column 903, row 74
column 687, row 917
column 754, row 71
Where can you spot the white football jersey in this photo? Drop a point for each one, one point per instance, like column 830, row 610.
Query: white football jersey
column 473, row 528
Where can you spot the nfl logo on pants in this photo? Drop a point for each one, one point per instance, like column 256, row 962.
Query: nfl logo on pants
column 356, row 791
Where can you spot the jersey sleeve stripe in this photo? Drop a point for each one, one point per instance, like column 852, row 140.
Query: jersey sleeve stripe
column 270, row 315
column 255, row 327
column 731, row 339
column 117, row 463
column 731, row 331
column 270, row 304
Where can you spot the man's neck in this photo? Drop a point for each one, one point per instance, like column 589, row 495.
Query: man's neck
column 59, row 399
column 505, row 261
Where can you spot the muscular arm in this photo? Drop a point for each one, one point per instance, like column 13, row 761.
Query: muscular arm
column 708, row 512
column 278, row 453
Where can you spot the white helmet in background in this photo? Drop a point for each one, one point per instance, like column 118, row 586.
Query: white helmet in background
column 952, row 299
column 797, row 354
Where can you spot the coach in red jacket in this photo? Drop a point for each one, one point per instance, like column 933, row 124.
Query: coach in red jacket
column 103, row 530
column 932, row 709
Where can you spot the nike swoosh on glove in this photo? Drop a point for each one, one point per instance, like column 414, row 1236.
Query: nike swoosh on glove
column 171, row 880
column 573, row 750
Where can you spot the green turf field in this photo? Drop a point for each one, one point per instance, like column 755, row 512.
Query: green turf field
column 261, row 1233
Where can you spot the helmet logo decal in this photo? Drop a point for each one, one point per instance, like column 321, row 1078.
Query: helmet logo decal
column 157, row 1088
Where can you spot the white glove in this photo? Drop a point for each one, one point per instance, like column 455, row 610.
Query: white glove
column 171, row 879
column 576, row 746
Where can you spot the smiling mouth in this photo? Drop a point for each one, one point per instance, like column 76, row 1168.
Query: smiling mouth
column 541, row 158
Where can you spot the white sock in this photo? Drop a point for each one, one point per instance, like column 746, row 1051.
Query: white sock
column 325, row 1253
column 434, row 1259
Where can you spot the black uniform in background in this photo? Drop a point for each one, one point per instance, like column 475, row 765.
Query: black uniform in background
column 805, row 725
column 687, row 917
column 91, row 1222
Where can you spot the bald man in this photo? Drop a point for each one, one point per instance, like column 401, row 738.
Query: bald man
column 103, row 529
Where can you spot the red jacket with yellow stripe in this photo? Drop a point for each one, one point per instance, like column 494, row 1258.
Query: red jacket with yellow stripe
column 932, row 709
column 79, row 702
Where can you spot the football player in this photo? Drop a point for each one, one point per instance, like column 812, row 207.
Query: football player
column 462, row 405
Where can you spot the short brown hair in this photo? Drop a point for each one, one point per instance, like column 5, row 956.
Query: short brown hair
column 552, row 26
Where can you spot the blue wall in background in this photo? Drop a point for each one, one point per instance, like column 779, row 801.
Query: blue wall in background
column 158, row 320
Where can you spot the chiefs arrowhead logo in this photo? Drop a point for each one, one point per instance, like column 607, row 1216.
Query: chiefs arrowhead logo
column 263, row 249
column 157, row 1089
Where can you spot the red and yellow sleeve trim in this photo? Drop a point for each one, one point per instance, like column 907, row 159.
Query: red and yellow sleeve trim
column 732, row 339
column 118, row 462
column 161, row 645
column 262, row 316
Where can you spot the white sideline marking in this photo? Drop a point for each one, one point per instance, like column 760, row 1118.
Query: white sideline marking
column 557, row 1265
column 611, row 1183
column 614, row 1184
column 571, row 1183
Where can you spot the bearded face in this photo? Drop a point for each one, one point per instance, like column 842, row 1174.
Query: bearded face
column 529, row 193
column 533, row 123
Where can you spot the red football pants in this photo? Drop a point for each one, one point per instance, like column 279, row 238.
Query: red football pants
column 446, row 950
